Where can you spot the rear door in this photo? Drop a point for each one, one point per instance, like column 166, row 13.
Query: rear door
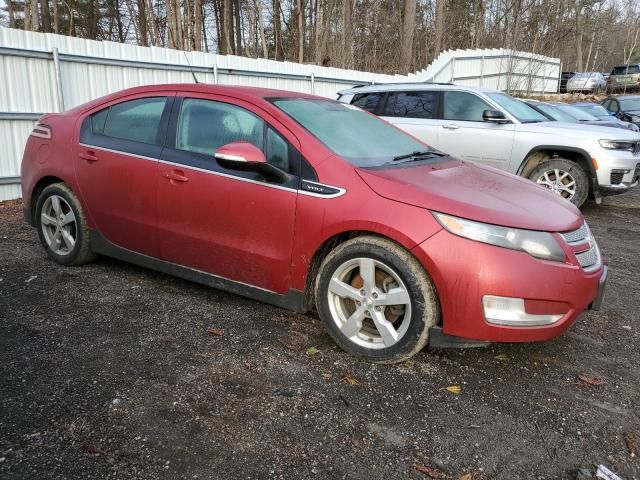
column 116, row 163
column 230, row 223
column 416, row 112
column 465, row 135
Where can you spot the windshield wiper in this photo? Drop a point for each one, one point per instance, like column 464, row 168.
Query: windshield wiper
column 419, row 154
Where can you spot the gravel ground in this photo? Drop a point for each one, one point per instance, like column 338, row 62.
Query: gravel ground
column 111, row 371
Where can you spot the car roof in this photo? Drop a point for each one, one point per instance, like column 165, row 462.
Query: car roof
column 394, row 87
column 251, row 94
column 585, row 104
column 626, row 96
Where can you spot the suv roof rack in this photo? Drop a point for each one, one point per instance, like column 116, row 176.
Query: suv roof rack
column 402, row 83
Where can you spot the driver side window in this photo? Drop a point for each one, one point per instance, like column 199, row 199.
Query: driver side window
column 464, row 106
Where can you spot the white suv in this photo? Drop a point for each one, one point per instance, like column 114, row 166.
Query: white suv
column 490, row 127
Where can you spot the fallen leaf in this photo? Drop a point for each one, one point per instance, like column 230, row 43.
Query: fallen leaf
column 431, row 471
column 455, row 389
column 350, row 379
column 312, row 351
column 216, row 332
column 502, row 357
column 631, row 439
column 326, row 375
column 466, row 476
column 591, row 381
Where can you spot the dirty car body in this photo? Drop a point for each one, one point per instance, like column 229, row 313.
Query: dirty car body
column 306, row 203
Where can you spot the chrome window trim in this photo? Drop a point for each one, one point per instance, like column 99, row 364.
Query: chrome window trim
column 341, row 191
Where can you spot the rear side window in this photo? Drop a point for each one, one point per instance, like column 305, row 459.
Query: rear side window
column 368, row 101
column 411, row 105
column 135, row 120
column 464, row 106
column 623, row 70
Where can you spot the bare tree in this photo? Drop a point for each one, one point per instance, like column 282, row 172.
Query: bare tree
column 408, row 29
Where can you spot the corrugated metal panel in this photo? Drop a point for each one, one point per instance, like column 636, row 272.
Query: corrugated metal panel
column 90, row 69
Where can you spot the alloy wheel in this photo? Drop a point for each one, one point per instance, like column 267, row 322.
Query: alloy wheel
column 369, row 303
column 59, row 225
column 558, row 181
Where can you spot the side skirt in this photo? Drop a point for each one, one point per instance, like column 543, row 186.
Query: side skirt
column 293, row 300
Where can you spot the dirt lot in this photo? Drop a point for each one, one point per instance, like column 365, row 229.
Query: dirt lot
column 109, row 371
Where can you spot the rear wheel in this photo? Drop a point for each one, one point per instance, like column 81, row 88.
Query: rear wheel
column 62, row 227
column 376, row 300
column 564, row 177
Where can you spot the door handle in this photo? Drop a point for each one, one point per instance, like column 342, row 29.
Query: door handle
column 450, row 126
column 176, row 176
column 89, row 156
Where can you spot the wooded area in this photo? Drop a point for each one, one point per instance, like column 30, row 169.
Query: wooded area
column 374, row 35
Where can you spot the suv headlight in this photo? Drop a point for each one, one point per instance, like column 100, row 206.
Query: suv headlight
column 537, row 244
column 629, row 145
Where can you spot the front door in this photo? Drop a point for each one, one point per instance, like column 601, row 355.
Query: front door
column 234, row 224
column 464, row 135
column 116, row 162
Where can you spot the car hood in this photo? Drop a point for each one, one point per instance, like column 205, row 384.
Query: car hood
column 632, row 112
column 475, row 192
column 573, row 130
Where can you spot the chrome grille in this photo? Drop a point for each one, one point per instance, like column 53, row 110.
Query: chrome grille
column 589, row 257
column 578, row 235
column 636, row 148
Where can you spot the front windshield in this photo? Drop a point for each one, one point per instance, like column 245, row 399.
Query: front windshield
column 630, row 103
column 576, row 113
column 595, row 110
column 520, row 110
column 357, row 136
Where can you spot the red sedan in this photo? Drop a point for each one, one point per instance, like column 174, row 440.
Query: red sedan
column 304, row 203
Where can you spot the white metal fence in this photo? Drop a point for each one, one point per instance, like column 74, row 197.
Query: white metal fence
column 42, row 73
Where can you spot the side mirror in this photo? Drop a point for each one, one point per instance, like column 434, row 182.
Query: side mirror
column 247, row 157
column 240, row 155
column 494, row 116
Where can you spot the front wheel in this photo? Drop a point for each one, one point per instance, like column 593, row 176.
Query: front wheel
column 376, row 300
column 563, row 177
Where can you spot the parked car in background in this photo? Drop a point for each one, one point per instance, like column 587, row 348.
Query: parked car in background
column 564, row 112
column 624, row 107
column 598, row 111
column 490, row 127
column 624, row 77
column 564, row 78
column 586, row 82
column 299, row 201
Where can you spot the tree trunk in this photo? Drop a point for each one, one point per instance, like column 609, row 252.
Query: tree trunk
column 197, row 25
column 578, row 11
column 300, row 6
column 277, row 29
column 12, row 17
column 438, row 41
column 406, row 39
column 142, row 23
column 263, row 38
column 225, row 27
column 347, row 34
column 238, row 25
column 45, row 15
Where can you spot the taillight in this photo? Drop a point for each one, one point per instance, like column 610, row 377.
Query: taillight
column 41, row 131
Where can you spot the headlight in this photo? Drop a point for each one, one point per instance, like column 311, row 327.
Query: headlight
column 537, row 244
column 618, row 144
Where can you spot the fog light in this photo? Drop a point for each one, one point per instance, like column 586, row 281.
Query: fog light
column 510, row 311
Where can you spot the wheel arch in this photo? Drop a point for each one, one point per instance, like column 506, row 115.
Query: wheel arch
column 543, row 152
column 330, row 244
column 40, row 185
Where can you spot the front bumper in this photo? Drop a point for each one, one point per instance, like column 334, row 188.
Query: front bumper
column 463, row 271
column 617, row 171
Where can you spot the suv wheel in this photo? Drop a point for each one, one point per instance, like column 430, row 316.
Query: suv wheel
column 376, row 300
column 564, row 177
column 62, row 227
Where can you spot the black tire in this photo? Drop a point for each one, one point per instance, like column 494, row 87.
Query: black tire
column 572, row 168
column 424, row 307
column 81, row 252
